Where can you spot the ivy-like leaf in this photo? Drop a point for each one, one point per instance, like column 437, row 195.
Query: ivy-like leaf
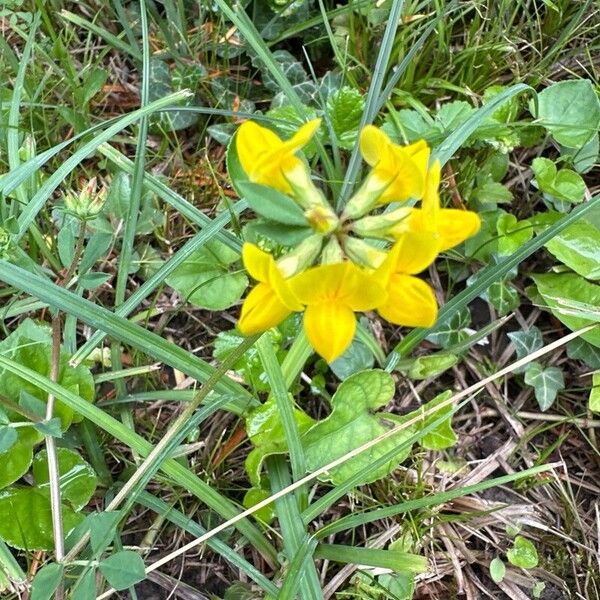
column 351, row 424
column 546, row 382
column 526, row 342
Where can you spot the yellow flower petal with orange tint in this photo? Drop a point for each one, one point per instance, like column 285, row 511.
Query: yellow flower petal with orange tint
column 410, row 302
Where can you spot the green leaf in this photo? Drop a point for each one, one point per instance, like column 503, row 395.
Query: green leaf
column 51, row 428
column 594, row 401
column 77, row 478
column 356, row 358
column 579, row 349
column 525, row 343
column 583, row 158
column 578, row 247
column 513, row 233
column 345, row 108
column 564, row 184
column 452, row 330
column 497, row 570
column 351, row 424
column 503, row 296
column 255, row 495
column 265, row 431
column 17, row 459
column 86, row 588
column 46, row 581
column 538, row 589
column 102, row 525
column 401, row 586
column 30, row 345
column 206, row 279
column 374, row 557
column 546, row 382
column 572, row 300
column 443, row 435
column 429, row 366
column 285, row 235
column 570, row 111
column 271, row 204
column 8, row 438
column 18, row 528
column 123, row 569
column 523, row 553
column 493, row 193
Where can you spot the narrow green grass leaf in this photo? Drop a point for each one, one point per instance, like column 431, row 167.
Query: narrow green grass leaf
column 179, row 203
column 297, row 569
column 374, row 557
column 121, row 329
column 194, row 528
column 112, row 40
column 292, row 528
column 37, row 202
column 209, row 232
column 358, row 520
column 486, row 277
column 174, row 470
column 12, row 135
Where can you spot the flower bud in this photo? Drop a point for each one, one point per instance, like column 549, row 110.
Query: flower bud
column 363, row 254
column 332, row 253
column 88, row 203
column 365, row 198
column 301, row 257
column 322, row 219
column 386, row 226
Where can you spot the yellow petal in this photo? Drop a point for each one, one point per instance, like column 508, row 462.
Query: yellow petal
column 410, row 302
column 373, row 144
column 455, row 226
column 252, row 143
column 417, row 250
column 302, row 136
column 431, row 196
column 319, row 284
column 282, row 288
column 407, row 179
column 329, row 328
column 342, row 283
column 362, row 290
column 261, row 310
column 256, row 261
column 419, row 153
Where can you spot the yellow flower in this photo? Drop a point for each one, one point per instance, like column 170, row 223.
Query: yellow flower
column 410, row 300
column 332, row 294
column 449, row 226
column 269, row 160
column 398, row 172
column 401, row 168
column 271, row 300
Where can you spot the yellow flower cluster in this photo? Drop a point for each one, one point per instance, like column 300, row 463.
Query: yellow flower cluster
column 352, row 275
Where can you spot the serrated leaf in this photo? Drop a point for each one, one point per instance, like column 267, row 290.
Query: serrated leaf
column 123, row 569
column 546, row 383
column 523, row 553
column 352, row 423
column 345, row 108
